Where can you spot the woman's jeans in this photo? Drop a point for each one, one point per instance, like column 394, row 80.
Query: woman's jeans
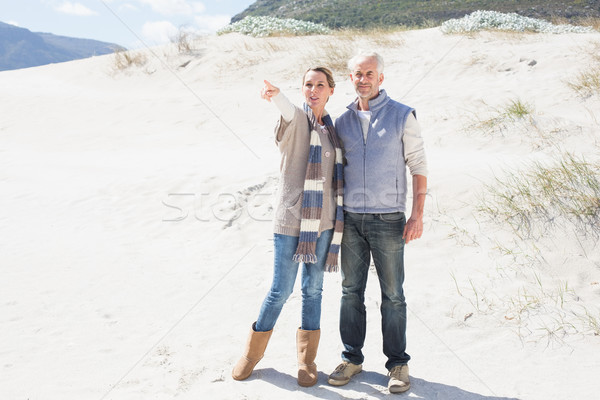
column 381, row 236
column 284, row 276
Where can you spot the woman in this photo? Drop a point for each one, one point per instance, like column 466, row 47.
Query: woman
column 308, row 220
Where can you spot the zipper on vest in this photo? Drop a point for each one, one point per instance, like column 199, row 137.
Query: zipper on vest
column 365, row 168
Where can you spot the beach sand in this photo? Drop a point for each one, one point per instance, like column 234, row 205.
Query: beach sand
column 136, row 234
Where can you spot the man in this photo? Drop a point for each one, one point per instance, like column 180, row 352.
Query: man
column 381, row 137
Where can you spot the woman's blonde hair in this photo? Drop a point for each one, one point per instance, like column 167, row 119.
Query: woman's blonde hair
column 326, row 71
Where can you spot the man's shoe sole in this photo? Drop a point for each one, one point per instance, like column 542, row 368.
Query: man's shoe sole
column 337, row 382
column 400, row 389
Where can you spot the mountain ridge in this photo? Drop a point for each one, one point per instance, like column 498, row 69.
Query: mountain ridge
column 22, row 48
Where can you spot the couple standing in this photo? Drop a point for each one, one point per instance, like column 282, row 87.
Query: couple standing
column 381, row 138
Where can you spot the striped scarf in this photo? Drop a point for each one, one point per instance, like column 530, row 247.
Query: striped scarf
column 312, row 201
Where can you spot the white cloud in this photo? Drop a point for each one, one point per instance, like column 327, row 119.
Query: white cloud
column 127, row 7
column 76, row 9
column 13, row 23
column 159, row 32
column 212, row 23
column 171, row 7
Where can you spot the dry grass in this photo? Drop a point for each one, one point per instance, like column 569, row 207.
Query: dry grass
column 532, row 201
column 183, row 40
column 246, row 51
column 332, row 51
column 125, row 59
column 587, row 21
column 540, row 207
column 593, row 22
column 334, row 54
column 587, row 82
column 267, row 46
column 497, row 34
column 499, row 119
column 377, row 37
column 335, row 50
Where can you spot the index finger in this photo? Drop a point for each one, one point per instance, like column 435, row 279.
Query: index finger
column 269, row 85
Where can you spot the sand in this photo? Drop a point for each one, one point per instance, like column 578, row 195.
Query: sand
column 136, row 235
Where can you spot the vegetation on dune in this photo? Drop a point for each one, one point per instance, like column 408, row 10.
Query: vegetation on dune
column 378, row 13
column 270, row 26
column 544, row 206
column 531, row 201
column 479, row 20
column 486, row 20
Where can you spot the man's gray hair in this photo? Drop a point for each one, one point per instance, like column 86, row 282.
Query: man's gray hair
column 366, row 54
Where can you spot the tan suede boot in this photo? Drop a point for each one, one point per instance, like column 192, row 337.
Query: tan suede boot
column 255, row 349
column 307, row 345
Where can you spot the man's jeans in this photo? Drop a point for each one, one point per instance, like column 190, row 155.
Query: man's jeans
column 381, row 236
column 284, row 277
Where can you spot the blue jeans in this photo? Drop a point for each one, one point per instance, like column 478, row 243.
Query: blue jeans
column 284, row 277
column 381, row 236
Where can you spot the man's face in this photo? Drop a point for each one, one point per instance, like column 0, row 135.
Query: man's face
column 366, row 78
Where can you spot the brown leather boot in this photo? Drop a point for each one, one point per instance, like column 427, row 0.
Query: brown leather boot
column 255, row 349
column 307, row 345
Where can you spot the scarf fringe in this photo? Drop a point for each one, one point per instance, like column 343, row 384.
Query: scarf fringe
column 305, row 258
column 332, row 268
column 332, row 263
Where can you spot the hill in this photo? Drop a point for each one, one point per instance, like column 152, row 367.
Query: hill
column 21, row 48
column 378, row 13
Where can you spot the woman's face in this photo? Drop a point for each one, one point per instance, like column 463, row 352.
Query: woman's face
column 316, row 90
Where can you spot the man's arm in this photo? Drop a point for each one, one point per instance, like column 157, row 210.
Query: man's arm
column 414, row 150
column 414, row 225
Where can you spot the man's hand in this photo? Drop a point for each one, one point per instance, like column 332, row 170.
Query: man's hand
column 413, row 229
column 414, row 226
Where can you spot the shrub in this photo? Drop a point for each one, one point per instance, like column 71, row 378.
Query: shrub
column 271, row 26
column 482, row 20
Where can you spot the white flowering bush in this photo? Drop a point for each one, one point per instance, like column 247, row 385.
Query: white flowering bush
column 481, row 20
column 269, row 26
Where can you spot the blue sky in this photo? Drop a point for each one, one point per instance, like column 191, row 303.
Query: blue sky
column 130, row 23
